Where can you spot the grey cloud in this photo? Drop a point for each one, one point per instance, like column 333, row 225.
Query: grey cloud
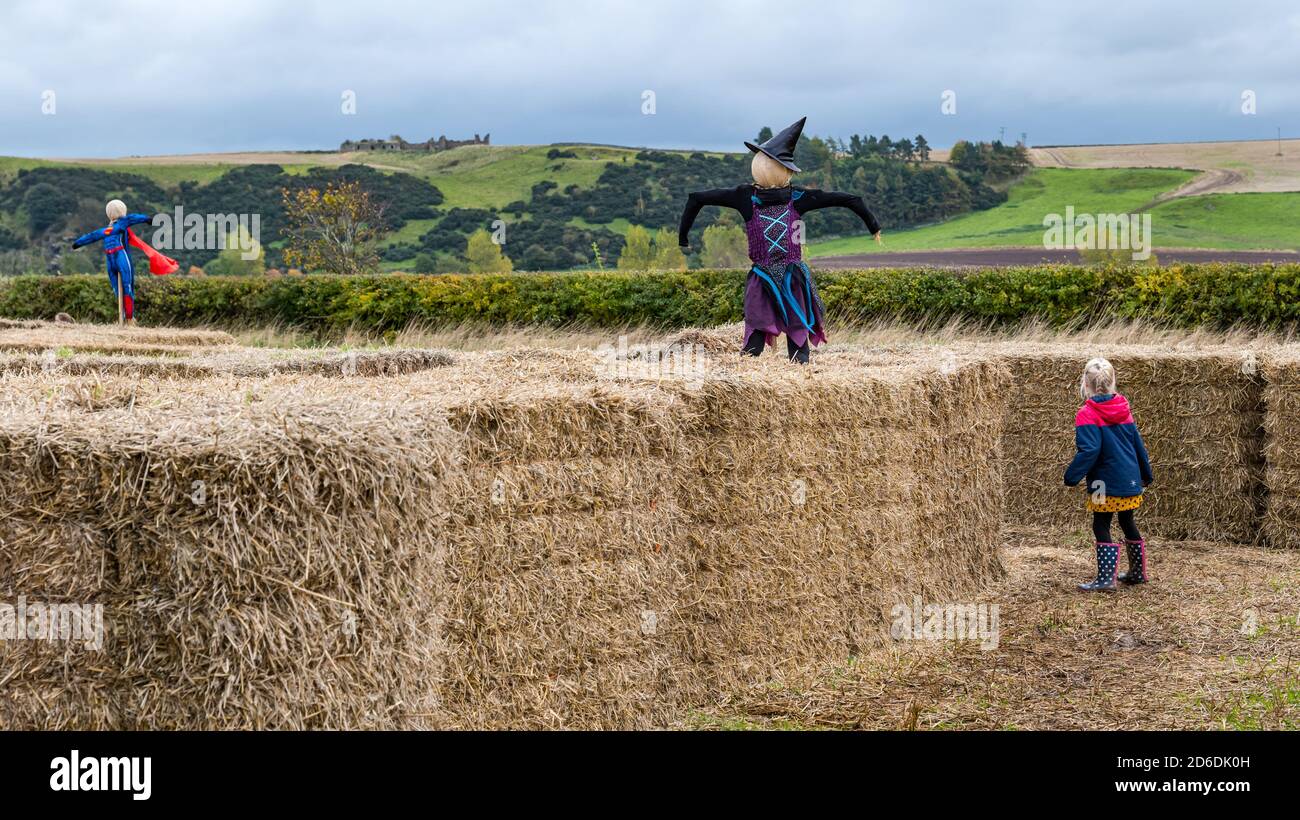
column 140, row 78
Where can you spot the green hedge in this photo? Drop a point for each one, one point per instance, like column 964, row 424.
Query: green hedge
column 1187, row 295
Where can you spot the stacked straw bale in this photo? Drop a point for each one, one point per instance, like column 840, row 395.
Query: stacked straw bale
column 512, row 540
column 262, row 553
column 1200, row 414
column 199, row 363
column 1281, row 516
column 562, row 535
column 36, row 336
column 625, row 548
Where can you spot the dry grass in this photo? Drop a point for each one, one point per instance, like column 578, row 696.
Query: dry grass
column 205, row 362
column 595, row 505
column 477, row 337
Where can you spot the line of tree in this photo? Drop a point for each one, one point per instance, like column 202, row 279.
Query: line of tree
column 553, row 229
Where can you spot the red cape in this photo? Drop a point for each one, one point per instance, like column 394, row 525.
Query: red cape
column 159, row 265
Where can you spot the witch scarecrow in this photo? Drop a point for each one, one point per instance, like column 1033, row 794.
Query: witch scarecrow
column 121, row 276
column 780, row 294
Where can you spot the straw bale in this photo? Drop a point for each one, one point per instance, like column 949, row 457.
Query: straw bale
column 1201, row 416
column 510, row 540
column 198, row 363
column 288, row 594
column 1281, row 513
column 38, row 336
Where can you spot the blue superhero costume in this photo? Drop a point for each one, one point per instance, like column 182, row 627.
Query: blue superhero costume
column 115, row 237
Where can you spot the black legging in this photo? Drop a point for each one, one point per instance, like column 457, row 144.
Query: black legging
column 1101, row 526
column 754, row 346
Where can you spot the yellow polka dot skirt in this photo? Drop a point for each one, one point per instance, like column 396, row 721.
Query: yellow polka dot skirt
column 1115, row 503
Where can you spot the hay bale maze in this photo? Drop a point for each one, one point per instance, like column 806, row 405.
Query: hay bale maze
column 504, row 540
column 544, row 539
column 1201, row 414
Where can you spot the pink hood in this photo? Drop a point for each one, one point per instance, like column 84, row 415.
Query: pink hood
column 1114, row 410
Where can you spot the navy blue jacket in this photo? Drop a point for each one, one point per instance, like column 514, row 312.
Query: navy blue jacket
column 1109, row 449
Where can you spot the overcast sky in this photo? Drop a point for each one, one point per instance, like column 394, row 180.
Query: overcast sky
column 141, row 77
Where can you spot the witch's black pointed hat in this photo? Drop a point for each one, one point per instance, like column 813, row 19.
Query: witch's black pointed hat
column 781, row 147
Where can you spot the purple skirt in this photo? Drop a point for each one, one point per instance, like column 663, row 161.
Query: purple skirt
column 785, row 302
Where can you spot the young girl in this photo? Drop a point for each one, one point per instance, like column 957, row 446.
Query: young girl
column 1114, row 460
column 780, row 295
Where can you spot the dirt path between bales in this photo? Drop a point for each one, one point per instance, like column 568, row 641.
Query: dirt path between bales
column 1212, row 642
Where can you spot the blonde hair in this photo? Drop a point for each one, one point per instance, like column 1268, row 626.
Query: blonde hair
column 1098, row 378
column 116, row 209
column 769, row 173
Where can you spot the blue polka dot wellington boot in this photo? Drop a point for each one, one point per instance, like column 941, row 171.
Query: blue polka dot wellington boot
column 1107, row 564
column 1137, row 562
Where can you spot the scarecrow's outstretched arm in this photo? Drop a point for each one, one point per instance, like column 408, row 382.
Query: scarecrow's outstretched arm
column 96, row 236
column 93, row 236
column 813, row 199
column 725, row 197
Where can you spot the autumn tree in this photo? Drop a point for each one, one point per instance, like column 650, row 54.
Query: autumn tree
column 668, row 255
column 638, row 251
column 485, row 256
column 332, row 229
column 725, row 246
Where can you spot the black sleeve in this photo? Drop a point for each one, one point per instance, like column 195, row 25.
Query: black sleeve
column 813, row 199
column 725, row 197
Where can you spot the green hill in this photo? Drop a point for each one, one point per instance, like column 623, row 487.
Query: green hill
column 1227, row 221
column 564, row 206
column 560, row 200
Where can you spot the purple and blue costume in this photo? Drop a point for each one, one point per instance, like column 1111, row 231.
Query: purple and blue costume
column 780, row 294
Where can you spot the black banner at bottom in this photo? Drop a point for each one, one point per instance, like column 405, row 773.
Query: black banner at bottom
column 144, row 771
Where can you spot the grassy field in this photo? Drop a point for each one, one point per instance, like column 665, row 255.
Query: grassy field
column 1231, row 221
column 1228, row 221
column 470, row 177
column 495, row 176
column 1069, row 661
column 1019, row 221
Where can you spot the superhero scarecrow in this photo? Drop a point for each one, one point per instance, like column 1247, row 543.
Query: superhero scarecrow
column 780, row 294
column 116, row 236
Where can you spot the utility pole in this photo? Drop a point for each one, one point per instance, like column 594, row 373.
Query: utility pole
column 1024, row 138
column 1002, row 135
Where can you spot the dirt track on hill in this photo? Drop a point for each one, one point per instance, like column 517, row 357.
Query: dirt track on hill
column 1008, row 257
column 1206, row 183
column 1228, row 167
